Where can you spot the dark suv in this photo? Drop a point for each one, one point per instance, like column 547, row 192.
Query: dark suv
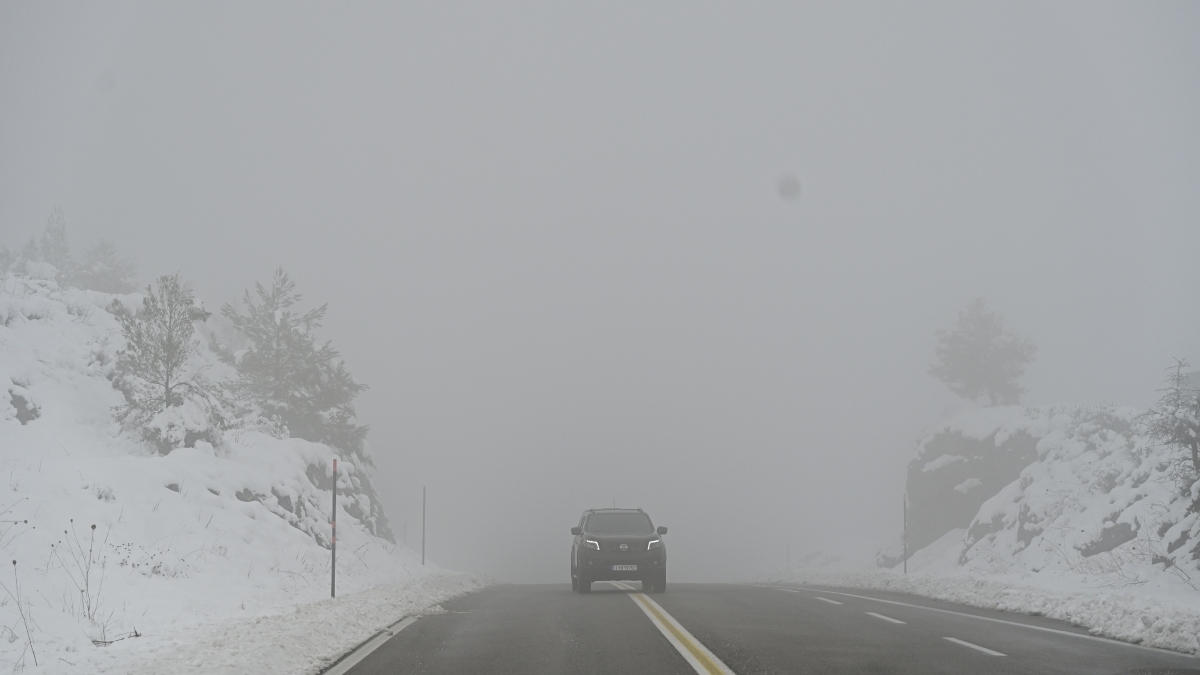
column 618, row 545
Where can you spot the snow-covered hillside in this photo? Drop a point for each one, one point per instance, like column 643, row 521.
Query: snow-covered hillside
column 960, row 464
column 106, row 541
column 1097, row 500
column 1092, row 529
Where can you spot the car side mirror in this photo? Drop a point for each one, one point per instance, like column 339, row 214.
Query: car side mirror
column 576, row 531
column 662, row 530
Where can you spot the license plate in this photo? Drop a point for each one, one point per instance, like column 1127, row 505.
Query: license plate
column 624, row 568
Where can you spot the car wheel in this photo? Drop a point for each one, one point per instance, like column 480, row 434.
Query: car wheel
column 658, row 582
column 574, row 580
column 584, row 583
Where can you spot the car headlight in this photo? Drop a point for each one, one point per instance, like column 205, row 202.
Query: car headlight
column 654, row 543
column 592, row 544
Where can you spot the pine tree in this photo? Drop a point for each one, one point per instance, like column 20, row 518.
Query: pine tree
column 153, row 369
column 7, row 260
column 54, row 247
column 101, row 270
column 1175, row 422
column 288, row 376
column 979, row 357
column 30, row 252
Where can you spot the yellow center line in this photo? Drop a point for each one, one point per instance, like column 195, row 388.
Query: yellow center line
column 701, row 660
column 683, row 639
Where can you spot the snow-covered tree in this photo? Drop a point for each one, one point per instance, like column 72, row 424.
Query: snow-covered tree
column 29, row 252
column 287, row 375
column 980, row 358
column 7, row 260
column 1175, row 421
column 167, row 399
column 54, row 247
column 101, row 270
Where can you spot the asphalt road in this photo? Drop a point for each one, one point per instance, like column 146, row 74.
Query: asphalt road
column 744, row 629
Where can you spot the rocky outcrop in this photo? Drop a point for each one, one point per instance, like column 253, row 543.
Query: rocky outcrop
column 960, row 465
column 1097, row 500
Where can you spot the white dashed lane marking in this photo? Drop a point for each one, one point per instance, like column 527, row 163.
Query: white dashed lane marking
column 964, row 643
column 965, row 615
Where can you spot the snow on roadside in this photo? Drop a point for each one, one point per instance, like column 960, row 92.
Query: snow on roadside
column 302, row 641
column 1150, row 620
column 212, row 558
column 1090, row 524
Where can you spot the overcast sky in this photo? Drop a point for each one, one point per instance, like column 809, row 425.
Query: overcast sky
column 553, row 244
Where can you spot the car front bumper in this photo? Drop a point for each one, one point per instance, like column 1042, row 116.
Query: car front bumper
column 598, row 565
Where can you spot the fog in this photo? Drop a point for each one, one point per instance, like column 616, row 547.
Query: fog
column 554, row 242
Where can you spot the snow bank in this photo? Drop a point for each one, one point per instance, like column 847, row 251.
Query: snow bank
column 111, row 553
column 1151, row 620
column 302, row 641
column 1095, row 528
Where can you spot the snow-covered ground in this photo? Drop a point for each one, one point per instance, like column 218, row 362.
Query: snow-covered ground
column 208, row 559
column 304, row 639
column 1151, row 619
column 1097, row 529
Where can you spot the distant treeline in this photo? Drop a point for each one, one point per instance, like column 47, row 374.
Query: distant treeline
column 98, row 268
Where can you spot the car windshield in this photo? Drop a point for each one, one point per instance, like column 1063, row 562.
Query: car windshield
column 619, row 523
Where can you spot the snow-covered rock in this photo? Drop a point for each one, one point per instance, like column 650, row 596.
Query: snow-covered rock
column 1096, row 529
column 959, row 465
column 43, row 271
column 1095, row 499
column 1099, row 502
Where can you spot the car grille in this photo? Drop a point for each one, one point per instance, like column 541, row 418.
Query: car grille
column 614, row 546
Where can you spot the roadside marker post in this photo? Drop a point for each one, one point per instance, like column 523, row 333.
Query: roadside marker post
column 905, row 537
column 422, row 525
column 333, row 542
